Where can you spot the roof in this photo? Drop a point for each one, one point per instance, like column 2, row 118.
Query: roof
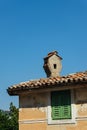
column 51, row 82
column 51, row 54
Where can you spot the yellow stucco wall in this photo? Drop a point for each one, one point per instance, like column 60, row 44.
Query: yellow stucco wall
column 39, row 126
column 33, row 112
column 80, row 125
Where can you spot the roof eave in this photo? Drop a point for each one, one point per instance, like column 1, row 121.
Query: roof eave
column 64, row 86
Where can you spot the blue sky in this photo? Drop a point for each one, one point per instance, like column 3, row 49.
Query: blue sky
column 29, row 30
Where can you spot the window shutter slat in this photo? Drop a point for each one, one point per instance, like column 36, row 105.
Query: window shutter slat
column 56, row 113
column 66, row 112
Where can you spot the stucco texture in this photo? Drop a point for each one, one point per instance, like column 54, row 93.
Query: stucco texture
column 33, row 112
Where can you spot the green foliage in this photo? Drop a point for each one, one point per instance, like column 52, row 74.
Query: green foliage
column 9, row 120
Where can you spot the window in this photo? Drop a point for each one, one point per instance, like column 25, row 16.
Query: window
column 61, row 108
column 61, row 105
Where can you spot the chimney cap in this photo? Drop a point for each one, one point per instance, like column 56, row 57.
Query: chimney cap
column 51, row 54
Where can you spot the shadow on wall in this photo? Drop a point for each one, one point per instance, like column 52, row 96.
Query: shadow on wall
column 34, row 100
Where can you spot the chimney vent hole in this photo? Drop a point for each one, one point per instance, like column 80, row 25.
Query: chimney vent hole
column 55, row 66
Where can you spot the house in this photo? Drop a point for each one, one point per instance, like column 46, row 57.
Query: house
column 53, row 103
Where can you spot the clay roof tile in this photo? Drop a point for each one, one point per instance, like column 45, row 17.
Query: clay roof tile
column 79, row 77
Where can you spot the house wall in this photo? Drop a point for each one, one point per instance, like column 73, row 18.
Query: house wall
column 33, row 112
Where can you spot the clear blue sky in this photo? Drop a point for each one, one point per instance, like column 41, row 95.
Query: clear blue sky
column 30, row 29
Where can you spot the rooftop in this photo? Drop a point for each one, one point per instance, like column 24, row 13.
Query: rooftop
column 63, row 82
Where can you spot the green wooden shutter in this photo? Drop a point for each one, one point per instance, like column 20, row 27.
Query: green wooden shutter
column 61, row 105
column 66, row 105
column 56, row 106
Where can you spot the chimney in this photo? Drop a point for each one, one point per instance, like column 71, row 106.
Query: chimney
column 52, row 64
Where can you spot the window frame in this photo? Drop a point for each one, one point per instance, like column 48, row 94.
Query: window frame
column 62, row 121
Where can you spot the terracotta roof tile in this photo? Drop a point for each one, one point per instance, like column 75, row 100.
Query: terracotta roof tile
column 51, row 54
column 80, row 77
